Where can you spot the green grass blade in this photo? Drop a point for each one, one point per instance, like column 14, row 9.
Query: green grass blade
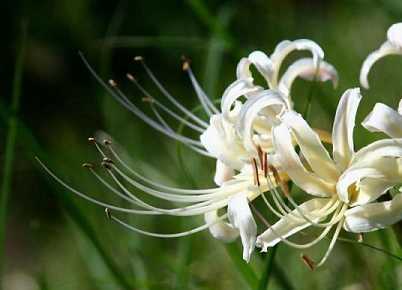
column 10, row 142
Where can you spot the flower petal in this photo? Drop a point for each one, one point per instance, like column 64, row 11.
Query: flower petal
column 237, row 89
column 348, row 186
column 344, row 123
column 261, row 61
column 310, row 145
column 384, row 119
column 241, row 218
column 221, row 141
column 394, row 34
column 223, row 173
column 288, row 225
column 286, row 47
column 378, row 149
column 220, row 230
column 289, row 161
column 374, row 216
column 269, row 102
column 387, row 48
column 306, row 69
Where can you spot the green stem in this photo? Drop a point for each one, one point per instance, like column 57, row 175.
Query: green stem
column 10, row 143
column 263, row 284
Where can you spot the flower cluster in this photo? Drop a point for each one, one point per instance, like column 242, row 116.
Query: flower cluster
column 262, row 145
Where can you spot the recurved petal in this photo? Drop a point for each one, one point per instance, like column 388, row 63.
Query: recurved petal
column 344, row 123
column 387, row 48
column 223, row 173
column 369, row 155
column 374, row 216
column 288, row 225
column 268, row 102
column 220, row 230
column 384, row 119
column 237, row 89
column 306, row 69
column 286, row 47
column 290, row 163
column 310, row 145
column 394, row 34
column 241, row 218
column 262, row 63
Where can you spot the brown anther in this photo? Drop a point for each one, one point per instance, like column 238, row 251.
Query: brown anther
column 265, row 164
column 91, row 140
column 185, row 65
column 260, row 156
column 130, row 77
column 112, row 83
column 107, row 142
column 147, row 99
column 107, row 160
column 360, row 238
column 106, row 165
column 138, row 58
column 308, row 262
column 87, row 165
column 108, row 214
column 255, row 167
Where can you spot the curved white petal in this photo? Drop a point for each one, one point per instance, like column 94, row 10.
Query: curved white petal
column 348, row 185
column 288, row 225
column 285, row 47
column 220, row 230
column 374, row 216
column 400, row 107
column 306, row 69
column 394, row 34
column 311, row 147
column 236, row 90
column 221, row 141
column 387, row 48
column 290, row 163
column 269, row 102
column 261, row 61
column 241, row 218
column 223, row 173
column 344, row 123
column 378, row 149
column 384, row 119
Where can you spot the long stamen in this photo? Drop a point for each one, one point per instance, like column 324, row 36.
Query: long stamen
column 332, row 244
column 208, row 106
column 158, row 185
column 158, row 235
column 122, row 99
column 167, row 94
column 163, row 107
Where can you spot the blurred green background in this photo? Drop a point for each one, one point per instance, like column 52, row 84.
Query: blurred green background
column 54, row 240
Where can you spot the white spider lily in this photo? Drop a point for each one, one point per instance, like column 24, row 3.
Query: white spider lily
column 341, row 185
column 392, row 46
column 234, row 193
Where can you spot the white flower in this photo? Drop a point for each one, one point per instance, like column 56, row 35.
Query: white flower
column 342, row 186
column 393, row 45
